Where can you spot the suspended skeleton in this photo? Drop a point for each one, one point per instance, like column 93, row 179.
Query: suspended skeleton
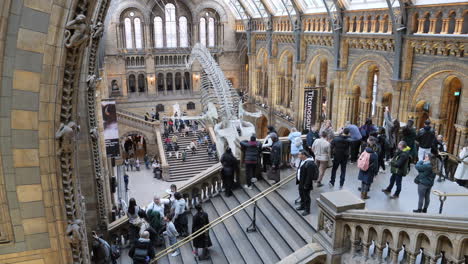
column 218, row 95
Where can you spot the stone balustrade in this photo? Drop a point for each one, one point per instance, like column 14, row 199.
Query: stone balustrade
column 136, row 121
column 350, row 234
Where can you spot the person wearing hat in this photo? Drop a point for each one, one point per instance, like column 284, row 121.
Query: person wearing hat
column 307, row 172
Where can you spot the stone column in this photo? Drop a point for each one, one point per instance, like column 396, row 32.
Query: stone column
column 373, row 25
column 421, row 25
column 330, row 230
column 173, row 83
column 124, row 86
column 165, row 83
column 445, row 26
column 381, row 25
column 394, row 256
column 458, row 25
column 432, row 25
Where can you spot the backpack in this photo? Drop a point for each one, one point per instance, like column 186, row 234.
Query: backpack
column 364, row 161
column 298, row 142
column 140, row 255
column 115, row 252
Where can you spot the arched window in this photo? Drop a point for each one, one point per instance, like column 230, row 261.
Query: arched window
column 128, row 33
column 171, row 27
column 141, row 83
column 158, row 32
column 211, row 32
column 160, row 82
column 203, row 31
column 138, row 33
column 183, row 32
column 131, row 83
column 191, row 106
column 375, row 86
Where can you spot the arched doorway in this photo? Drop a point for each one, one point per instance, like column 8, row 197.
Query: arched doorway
column 449, row 108
column 283, row 132
column 134, row 145
column 262, row 127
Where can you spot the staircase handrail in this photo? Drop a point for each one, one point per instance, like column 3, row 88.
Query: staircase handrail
column 224, row 217
column 130, row 113
column 443, row 196
column 137, row 120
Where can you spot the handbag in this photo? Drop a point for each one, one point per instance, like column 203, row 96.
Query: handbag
column 416, row 180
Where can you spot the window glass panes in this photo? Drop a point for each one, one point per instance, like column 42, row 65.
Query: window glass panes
column 158, row 32
column 171, row 33
column 183, row 32
column 128, row 33
column 211, row 32
column 203, row 31
column 138, row 33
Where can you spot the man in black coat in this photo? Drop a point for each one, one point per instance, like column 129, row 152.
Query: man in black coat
column 340, row 152
column 307, row 172
column 142, row 252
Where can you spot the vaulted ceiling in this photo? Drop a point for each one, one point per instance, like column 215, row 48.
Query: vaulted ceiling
column 243, row 9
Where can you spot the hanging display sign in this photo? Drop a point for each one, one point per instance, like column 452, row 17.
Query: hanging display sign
column 111, row 131
column 310, row 107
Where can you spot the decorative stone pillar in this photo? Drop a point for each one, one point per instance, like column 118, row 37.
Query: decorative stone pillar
column 378, row 254
column 366, row 25
column 438, row 125
column 412, row 258
column 432, row 25
column 445, row 26
column 421, row 25
column 373, row 25
column 330, row 232
column 381, row 25
column 365, row 109
column 458, row 25
column 165, row 83
column 358, row 25
column 394, row 256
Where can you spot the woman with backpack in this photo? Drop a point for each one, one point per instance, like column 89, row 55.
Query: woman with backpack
column 296, row 146
column 425, row 181
column 368, row 165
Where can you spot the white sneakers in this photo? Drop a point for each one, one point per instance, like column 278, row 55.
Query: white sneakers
column 254, row 180
column 248, row 187
column 175, row 254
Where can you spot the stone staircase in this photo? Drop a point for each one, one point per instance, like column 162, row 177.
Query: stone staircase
column 194, row 163
column 281, row 230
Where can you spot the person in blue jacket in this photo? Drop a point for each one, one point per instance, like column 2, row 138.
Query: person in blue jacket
column 425, row 181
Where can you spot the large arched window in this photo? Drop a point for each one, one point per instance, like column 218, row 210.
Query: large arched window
column 375, row 86
column 158, row 32
column 138, row 33
column 211, row 32
column 171, row 27
column 203, row 31
column 183, row 42
column 128, row 33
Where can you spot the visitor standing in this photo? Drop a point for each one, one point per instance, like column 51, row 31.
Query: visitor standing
column 312, row 135
column 355, row 139
column 327, row 128
column 147, row 161
column 340, row 146
column 409, row 137
column 295, row 146
column 251, row 150
column 307, row 172
column 158, row 205
column 425, row 181
column 368, row 167
column 399, row 167
column 276, row 157
column 382, row 141
column 142, row 252
column 367, row 129
column 461, row 174
column 203, row 241
column 266, row 148
column 126, row 164
column 426, row 139
column 137, row 164
column 132, row 163
column 134, row 220
column 389, row 134
column 322, row 151
column 180, row 217
column 171, row 233
column 229, row 163
column 126, row 182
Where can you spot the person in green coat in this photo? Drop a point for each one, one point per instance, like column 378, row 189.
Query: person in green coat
column 425, row 181
column 409, row 136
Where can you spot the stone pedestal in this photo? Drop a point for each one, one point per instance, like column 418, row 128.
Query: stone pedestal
column 330, row 232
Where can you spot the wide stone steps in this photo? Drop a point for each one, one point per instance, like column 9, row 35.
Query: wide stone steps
column 281, row 230
column 195, row 163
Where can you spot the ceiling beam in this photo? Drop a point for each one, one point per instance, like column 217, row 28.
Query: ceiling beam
column 267, row 7
column 241, row 2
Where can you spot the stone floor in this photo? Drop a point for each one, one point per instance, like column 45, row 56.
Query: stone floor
column 379, row 201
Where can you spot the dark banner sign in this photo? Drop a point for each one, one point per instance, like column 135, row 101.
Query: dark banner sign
column 310, row 107
column 111, row 131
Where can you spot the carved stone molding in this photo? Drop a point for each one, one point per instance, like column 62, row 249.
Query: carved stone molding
column 382, row 44
column 319, row 40
column 438, row 48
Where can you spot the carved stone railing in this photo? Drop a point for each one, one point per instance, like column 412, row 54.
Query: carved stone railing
column 352, row 235
column 136, row 121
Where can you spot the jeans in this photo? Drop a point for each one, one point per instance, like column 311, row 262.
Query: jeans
column 250, row 172
column 172, row 241
column 395, row 178
column 305, row 198
column 355, row 150
column 422, row 152
column 365, row 187
column 424, row 193
column 337, row 163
